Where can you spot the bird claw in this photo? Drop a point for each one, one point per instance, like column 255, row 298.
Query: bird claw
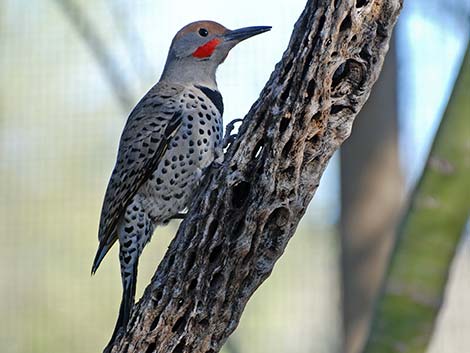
column 229, row 138
column 214, row 165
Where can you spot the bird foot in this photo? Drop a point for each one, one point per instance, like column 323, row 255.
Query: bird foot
column 229, row 138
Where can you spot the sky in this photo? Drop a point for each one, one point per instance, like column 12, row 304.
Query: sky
column 432, row 49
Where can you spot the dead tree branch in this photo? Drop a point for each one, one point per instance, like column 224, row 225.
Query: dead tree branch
column 249, row 208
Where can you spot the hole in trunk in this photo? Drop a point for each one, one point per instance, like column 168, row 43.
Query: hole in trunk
column 336, row 109
column 361, row 3
column 192, row 285
column 216, row 280
column 179, row 348
column 240, row 193
column 180, row 324
column 258, row 149
column 151, row 348
column 190, row 261
column 284, row 124
column 215, row 253
column 346, row 24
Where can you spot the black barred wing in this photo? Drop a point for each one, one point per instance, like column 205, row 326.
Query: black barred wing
column 148, row 131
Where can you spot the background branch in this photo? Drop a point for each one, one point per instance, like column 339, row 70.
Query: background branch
column 429, row 236
column 372, row 191
column 130, row 38
column 100, row 51
column 249, row 208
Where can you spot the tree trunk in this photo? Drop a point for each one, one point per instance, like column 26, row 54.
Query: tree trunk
column 371, row 199
column 414, row 289
column 248, row 208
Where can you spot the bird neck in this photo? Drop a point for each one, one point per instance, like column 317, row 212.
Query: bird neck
column 186, row 71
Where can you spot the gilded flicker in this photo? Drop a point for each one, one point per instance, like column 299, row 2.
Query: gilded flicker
column 170, row 137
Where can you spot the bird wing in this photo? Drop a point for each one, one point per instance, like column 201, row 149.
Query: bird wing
column 145, row 138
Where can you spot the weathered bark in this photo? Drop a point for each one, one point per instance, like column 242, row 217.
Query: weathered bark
column 248, row 208
column 371, row 199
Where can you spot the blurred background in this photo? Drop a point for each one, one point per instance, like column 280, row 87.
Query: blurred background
column 71, row 70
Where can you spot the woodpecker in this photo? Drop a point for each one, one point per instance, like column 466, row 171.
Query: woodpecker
column 170, row 137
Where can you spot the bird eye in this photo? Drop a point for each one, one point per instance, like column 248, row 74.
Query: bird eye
column 203, row 32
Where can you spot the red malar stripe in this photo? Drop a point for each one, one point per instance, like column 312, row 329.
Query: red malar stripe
column 207, row 49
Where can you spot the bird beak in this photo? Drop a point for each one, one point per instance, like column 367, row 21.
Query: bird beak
column 244, row 33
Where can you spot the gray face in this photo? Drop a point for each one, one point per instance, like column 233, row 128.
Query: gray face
column 199, row 48
column 187, row 44
column 194, row 42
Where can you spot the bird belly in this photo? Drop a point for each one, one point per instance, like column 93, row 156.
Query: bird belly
column 176, row 178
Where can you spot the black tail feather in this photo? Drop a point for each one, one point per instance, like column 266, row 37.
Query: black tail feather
column 103, row 249
column 127, row 303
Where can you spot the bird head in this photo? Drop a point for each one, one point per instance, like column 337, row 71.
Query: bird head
column 200, row 47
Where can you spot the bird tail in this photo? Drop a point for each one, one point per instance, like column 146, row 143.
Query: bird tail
column 127, row 303
column 103, row 249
